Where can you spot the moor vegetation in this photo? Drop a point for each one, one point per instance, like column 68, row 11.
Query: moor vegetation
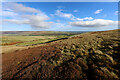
column 87, row 56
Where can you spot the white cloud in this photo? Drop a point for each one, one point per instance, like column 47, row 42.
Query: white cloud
column 19, row 8
column 8, row 13
column 38, row 21
column 98, row 11
column 75, row 11
column 94, row 23
column 37, row 17
column 16, row 21
column 88, row 18
column 70, row 16
column 14, row 10
column 79, row 19
column 116, row 12
column 65, row 15
column 32, row 20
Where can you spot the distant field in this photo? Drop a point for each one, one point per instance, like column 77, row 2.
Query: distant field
column 28, row 38
column 16, row 40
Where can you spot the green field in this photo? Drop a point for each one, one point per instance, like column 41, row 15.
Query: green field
column 18, row 40
column 21, row 40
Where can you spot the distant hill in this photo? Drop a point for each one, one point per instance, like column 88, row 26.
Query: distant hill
column 37, row 32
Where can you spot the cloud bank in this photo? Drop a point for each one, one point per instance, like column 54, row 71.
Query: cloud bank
column 94, row 23
column 22, row 14
column 33, row 20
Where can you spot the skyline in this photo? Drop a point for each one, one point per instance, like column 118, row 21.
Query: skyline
column 59, row 16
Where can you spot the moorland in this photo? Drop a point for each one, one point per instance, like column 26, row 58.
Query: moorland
column 86, row 56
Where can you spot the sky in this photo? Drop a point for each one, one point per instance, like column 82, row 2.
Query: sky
column 59, row 16
column 60, row 0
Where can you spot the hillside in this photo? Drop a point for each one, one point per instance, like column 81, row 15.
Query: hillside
column 87, row 56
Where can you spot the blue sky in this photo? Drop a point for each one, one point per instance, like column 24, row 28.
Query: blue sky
column 59, row 16
column 60, row 1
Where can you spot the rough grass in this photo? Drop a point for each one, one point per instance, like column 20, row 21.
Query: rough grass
column 92, row 57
